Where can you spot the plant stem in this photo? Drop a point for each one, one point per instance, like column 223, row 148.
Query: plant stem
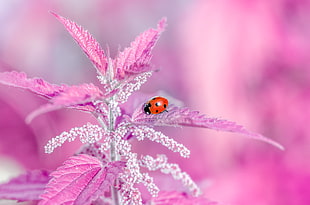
column 114, row 191
column 113, row 154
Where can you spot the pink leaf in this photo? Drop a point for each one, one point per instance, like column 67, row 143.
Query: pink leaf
column 179, row 198
column 26, row 187
column 186, row 117
column 81, row 180
column 35, row 85
column 136, row 58
column 80, row 97
column 80, row 94
column 88, row 44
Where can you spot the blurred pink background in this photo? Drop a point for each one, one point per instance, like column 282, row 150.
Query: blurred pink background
column 246, row 61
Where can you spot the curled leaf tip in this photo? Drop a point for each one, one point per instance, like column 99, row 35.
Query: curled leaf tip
column 161, row 25
column 270, row 141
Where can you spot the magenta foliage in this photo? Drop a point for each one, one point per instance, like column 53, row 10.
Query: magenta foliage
column 133, row 60
column 26, row 187
column 88, row 44
column 80, row 97
column 81, row 94
column 81, row 180
column 136, row 58
column 76, row 96
column 35, row 85
column 180, row 116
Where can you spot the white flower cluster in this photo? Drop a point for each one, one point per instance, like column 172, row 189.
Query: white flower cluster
column 133, row 85
column 161, row 163
column 88, row 134
column 132, row 174
column 147, row 132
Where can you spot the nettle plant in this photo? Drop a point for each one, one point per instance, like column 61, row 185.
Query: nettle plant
column 106, row 170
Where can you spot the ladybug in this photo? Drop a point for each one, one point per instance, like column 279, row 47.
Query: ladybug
column 155, row 105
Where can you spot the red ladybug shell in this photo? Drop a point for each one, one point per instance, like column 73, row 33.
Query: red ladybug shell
column 156, row 105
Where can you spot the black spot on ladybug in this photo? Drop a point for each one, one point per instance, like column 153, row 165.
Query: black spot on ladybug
column 165, row 105
column 157, row 111
column 157, row 104
column 153, row 98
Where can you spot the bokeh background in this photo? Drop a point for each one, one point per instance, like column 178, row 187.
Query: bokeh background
column 246, row 61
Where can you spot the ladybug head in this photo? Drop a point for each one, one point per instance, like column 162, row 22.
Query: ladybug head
column 147, row 108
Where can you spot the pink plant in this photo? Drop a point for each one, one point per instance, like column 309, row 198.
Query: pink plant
column 106, row 170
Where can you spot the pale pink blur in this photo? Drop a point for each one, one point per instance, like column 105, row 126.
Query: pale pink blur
column 246, row 61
